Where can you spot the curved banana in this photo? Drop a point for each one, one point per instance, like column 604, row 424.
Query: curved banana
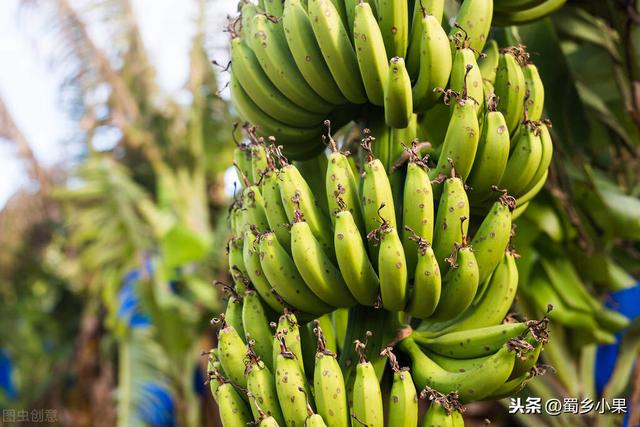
column 471, row 343
column 427, row 283
column 545, row 158
column 353, row 261
column 437, row 416
column 237, row 269
column 233, row 409
column 366, row 395
column 392, row 267
column 435, row 62
column 474, row 17
column 231, row 351
column 460, row 142
column 371, row 54
column 242, row 158
column 418, row 215
column 421, row 9
column 489, row 65
column 491, row 240
column 459, row 285
column 293, row 186
column 291, row 386
column 274, row 209
column 398, row 103
column 451, row 224
column 271, row 49
column 256, row 326
column 253, row 203
column 336, row 48
column 233, row 312
column 284, row 277
column 470, row 385
column 273, row 7
column 403, row 399
column 510, row 87
column 342, row 188
column 328, row 386
column 525, row 16
column 393, row 18
column 523, row 162
column 266, row 125
column 492, row 155
column 251, row 257
column 306, row 52
column 534, row 98
column 288, row 329
column 316, row 268
column 261, row 388
column 526, row 197
column 466, row 76
column 262, row 92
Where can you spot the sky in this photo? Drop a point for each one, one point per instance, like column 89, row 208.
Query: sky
column 29, row 83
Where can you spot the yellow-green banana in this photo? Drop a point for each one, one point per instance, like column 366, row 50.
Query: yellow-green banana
column 262, row 92
column 342, row 188
column 474, row 18
column 534, row 97
column 284, row 277
column 421, row 9
column 256, row 326
column 489, row 64
column 317, row 270
column 545, row 158
column 392, row 267
column 370, row 51
column 524, row 161
column 273, row 7
column 366, row 395
column 398, row 102
column 251, row 257
column 393, row 18
column 329, row 387
column 336, row 48
column 274, row 209
column 291, row 386
column 427, row 283
column 403, row 399
column 435, row 62
column 271, row 49
column 261, row 388
column 466, row 76
column 288, row 329
column 306, row 52
column 231, row 351
column 510, row 87
column 233, row 409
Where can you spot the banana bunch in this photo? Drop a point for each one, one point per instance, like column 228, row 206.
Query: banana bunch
column 331, row 239
column 517, row 12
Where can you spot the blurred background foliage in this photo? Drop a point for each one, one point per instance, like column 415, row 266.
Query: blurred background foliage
column 106, row 268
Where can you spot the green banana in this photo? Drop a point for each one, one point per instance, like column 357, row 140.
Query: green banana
column 233, row 312
column 417, row 208
column 242, row 158
column 306, row 52
column 530, row 194
column 317, row 270
column 268, row 422
column 266, row 125
column 451, row 224
column 233, row 409
column 403, row 400
column 528, row 15
column 366, row 395
column 253, row 203
column 256, row 326
column 491, row 240
column 534, row 98
column 340, row 319
column 314, row 420
column 524, row 161
column 398, row 102
column 237, row 268
column 261, row 388
column 492, row 155
column 461, row 140
column 435, row 62
column 336, row 48
column 262, row 92
column 251, row 257
column 489, row 65
column 474, row 18
column 342, row 187
column 392, row 266
column 421, row 9
column 545, row 158
column 260, row 162
column 274, row 209
column 492, row 305
column 273, row 7
column 293, row 186
column 459, row 285
column 471, row 343
column 377, row 197
column 393, row 18
column 231, row 350
column 280, row 270
column 291, row 386
column 328, row 386
column 466, row 76
column 370, row 51
column 427, row 283
column 248, row 11
column 353, row 261
column 289, row 330
column 314, row 171
column 510, row 6
column 271, row 49
column 510, row 87
column 470, row 385
column 437, row 416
